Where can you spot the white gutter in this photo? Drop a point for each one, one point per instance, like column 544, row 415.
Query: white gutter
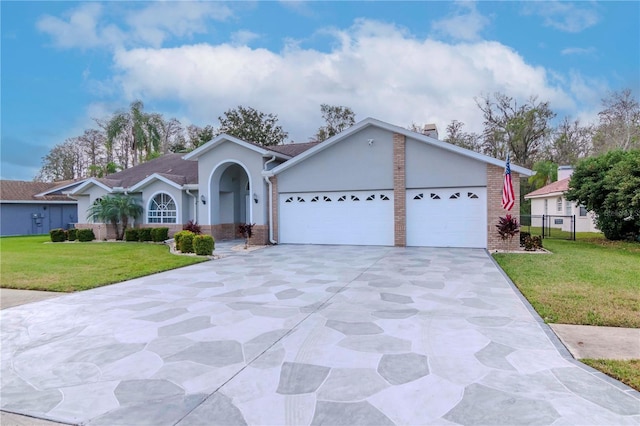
column 266, row 174
column 188, row 191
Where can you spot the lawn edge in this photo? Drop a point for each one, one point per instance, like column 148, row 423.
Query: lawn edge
column 555, row 340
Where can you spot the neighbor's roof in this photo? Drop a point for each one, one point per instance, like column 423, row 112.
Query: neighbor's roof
column 372, row 122
column 19, row 190
column 557, row 187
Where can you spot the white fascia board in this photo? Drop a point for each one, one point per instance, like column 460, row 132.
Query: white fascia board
column 407, row 133
column 144, row 182
column 555, row 194
column 89, row 182
column 56, row 189
column 191, row 187
column 196, row 153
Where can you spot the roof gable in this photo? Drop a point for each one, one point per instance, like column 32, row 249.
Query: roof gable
column 553, row 188
column 400, row 130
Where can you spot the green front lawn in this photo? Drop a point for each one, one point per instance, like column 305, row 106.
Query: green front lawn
column 33, row 263
column 628, row 372
column 590, row 281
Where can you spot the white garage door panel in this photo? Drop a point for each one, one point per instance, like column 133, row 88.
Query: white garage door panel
column 447, row 217
column 356, row 217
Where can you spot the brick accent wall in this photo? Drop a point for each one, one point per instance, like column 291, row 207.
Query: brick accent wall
column 399, row 191
column 495, row 177
column 102, row 231
column 225, row 231
column 274, row 208
column 260, row 235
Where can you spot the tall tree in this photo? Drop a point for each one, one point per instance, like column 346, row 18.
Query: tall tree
column 456, row 136
column 523, row 128
column 92, row 142
column 252, row 125
column 64, row 161
column 336, row 119
column 571, row 142
column 168, row 130
column 619, row 123
column 139, row 131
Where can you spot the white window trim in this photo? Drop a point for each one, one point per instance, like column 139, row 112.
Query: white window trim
column 148, row 209
column 559, row 204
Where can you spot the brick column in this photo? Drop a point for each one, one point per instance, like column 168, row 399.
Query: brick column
column 399, row 191
column 274, row 207
column 495, row 176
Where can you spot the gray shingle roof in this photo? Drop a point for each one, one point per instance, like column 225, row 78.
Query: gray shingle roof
column 19, row 190
column 171, row 166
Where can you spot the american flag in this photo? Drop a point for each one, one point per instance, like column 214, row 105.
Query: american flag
column 508, row 197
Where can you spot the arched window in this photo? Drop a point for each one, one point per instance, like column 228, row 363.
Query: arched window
column 162, row 209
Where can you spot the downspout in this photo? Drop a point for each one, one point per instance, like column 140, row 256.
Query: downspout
column 270, row 207
column 195, row 209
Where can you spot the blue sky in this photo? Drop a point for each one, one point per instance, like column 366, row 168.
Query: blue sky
column 65, row 63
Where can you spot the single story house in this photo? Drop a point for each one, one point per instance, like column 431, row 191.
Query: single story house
column 550, row 201
column 30, row 208
column 372, row 184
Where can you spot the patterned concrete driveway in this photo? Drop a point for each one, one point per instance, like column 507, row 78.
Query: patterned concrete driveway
column 303, row 335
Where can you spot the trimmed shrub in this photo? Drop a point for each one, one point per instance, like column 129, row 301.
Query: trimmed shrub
column 159, row 235
column 186, row 242
column 176, row 238
column 523, row 237
column 131, row 234
column 193, row 227
column 144, row 234
column 72, row 234
column 537, row 242
column 203, row 245
column 85, row 235
column 58, row 235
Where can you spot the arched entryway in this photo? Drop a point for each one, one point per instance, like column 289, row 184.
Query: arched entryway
column 229, row 195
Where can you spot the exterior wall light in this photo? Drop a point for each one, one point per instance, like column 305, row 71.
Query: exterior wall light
column 203, row 199
column 255, row 198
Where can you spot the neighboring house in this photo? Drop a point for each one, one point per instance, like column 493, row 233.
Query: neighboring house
column 30, row 208
column 372, row 184
column 550, row 201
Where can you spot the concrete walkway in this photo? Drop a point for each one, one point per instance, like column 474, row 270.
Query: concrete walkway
column 303, row 335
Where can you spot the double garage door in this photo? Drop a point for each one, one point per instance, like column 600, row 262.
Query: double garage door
column 436, row 217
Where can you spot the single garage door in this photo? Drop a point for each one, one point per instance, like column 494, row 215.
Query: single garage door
column 354, row 218
column 447, row 217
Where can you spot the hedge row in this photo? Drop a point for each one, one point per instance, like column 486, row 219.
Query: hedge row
column 59, row 235
column 157, row 235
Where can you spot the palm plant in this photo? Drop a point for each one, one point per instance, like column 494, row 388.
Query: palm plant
column 139, row 130
column 116, row 210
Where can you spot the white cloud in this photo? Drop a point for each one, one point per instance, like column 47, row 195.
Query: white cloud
column 578, row 51
column 87, row 26
column 160, row 20
column 243, row 37
column 377, row 69
column 565, row 16
column 81, row 29
column 466, row 23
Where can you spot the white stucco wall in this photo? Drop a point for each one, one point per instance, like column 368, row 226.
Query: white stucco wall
column 349, row 164
column 431, row 167
column 86, row 200
column 215, row 161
